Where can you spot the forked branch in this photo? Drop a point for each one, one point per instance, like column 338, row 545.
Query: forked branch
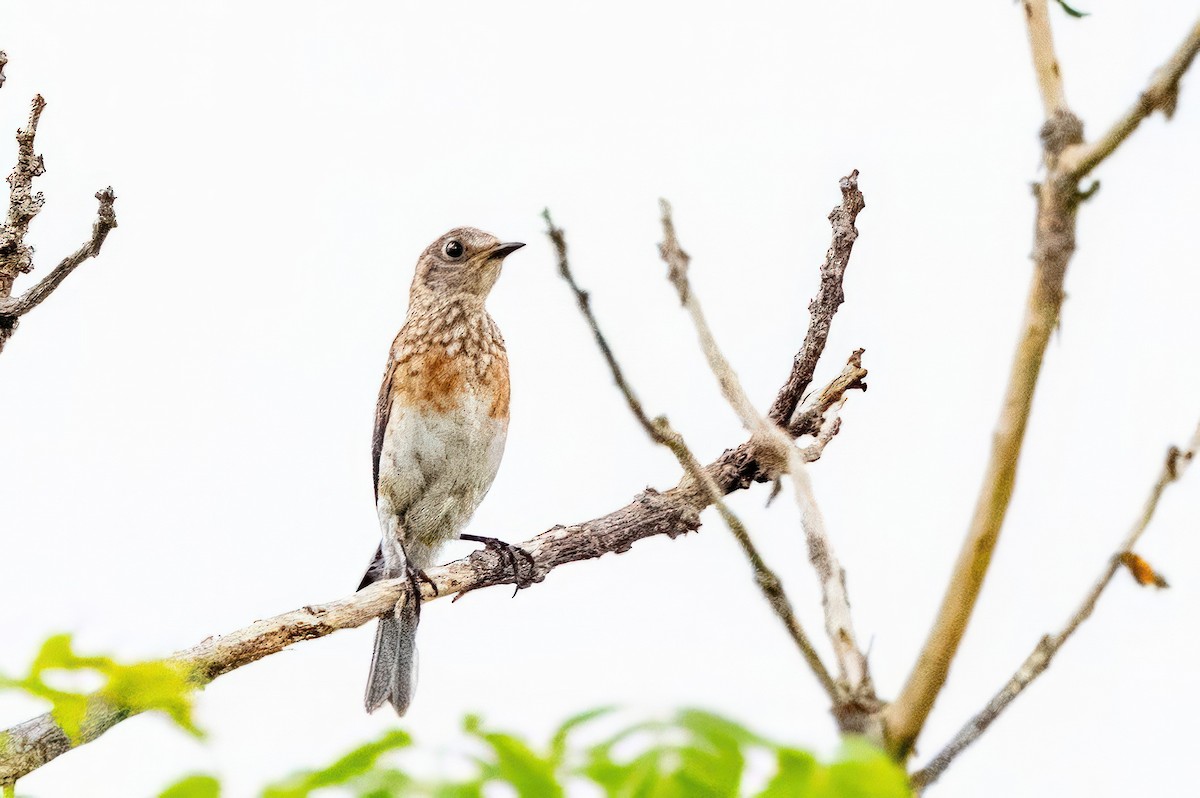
column 857, row 702
column 1039, row 659
column 660, row 431
column 1058, row 198
column 16, row 256
column 1161, row 94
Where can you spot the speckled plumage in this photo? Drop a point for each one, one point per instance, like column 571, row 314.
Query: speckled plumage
column 440, row 427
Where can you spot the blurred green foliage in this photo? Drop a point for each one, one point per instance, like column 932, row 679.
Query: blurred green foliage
column 137, row 687
column 695, row 753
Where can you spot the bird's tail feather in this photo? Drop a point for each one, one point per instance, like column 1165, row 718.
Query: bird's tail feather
column 393, row 663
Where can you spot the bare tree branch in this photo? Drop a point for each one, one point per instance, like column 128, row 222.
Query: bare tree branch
column 1039, row 660
column 661, row 432
column 1161, row 95
column 30, row 745
column 857, row 701
column 1058, row 199
column 1045, row 62
column 106, row 220
column 678, row 262
column 829, row 297
column 16, row 256
column 3, row 63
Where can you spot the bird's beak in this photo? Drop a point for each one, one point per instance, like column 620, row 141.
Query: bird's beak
column 504, row 250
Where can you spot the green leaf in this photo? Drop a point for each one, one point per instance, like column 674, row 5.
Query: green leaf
column 193, row 787
column 558, row 743
column 470, row 789
column 601, row 769
column 697, row 753
column 345, row 770
column 794, row 774
column 710, row 772
column 140, row 687
column 864, row 771
column 517, row 764
column 1073, row 12
column 68, row 712
column 717, row 729
column 157, row 685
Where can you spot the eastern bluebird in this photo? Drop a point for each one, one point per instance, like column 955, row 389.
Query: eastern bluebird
column 440, row 425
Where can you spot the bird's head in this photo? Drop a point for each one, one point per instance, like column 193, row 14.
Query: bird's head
column 463, row 261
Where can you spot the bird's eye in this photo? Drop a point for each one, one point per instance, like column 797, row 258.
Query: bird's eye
column 453, row 249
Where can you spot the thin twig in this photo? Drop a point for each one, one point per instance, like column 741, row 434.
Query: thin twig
column 1039, row 660
column 678, row 262
column 831, row 425
column 106, row 220
column 1161, row 95
column 661, row 432
column 3, row 62
column 852, row 664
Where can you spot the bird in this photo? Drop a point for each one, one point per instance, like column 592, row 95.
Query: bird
column 441, row 422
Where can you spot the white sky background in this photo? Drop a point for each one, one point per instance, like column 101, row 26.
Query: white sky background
column 187, row 428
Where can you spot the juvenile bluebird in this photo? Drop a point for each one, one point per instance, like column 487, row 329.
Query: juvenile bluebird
column 440, row 426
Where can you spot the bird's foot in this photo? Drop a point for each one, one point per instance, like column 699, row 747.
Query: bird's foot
column 509, row 557
column 415, row 577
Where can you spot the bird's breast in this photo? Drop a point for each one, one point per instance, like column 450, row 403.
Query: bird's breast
column 441, row 380
column 443, row 442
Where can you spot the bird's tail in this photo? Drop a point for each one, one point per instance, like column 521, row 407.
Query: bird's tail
column 393, row 664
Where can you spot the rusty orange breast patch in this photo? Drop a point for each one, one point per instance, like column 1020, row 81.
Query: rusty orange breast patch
column 496, row 380
column 433, row 380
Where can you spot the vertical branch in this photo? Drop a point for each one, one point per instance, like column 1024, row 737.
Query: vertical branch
column 1054, row 243
column 1045, row 62
column 16, row 257
column 1058, row 198
column 825, row 304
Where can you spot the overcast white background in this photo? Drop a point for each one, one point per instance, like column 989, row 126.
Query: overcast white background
column 187, row 421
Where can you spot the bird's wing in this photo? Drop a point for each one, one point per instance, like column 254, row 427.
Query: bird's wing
column 374, row 570
column 383, row 410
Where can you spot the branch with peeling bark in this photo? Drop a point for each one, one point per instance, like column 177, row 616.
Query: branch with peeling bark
column 16, row 256
column 828, row 299
column 1039, row 659
column 1058, row 199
